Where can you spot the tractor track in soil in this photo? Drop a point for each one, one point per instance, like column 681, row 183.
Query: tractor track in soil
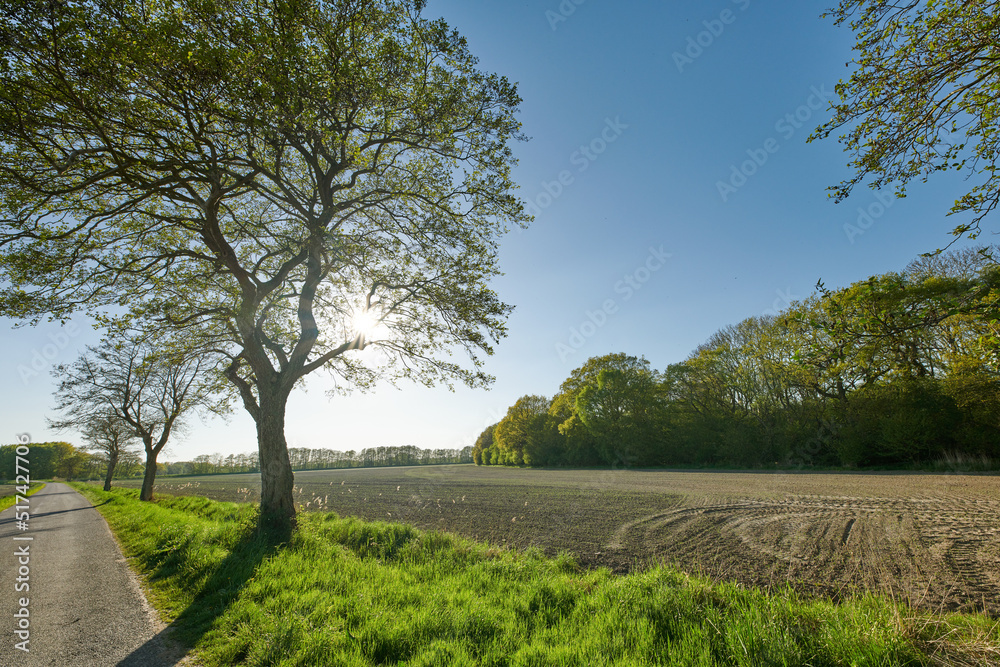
column 931, row 540
column 936, row 553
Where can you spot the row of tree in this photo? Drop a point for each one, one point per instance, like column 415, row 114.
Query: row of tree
column 46, row 460
column 305, row 458
column 901, row 368
column 61, row 459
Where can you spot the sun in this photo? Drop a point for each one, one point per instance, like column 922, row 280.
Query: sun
column 367, row 324
column 370, row 333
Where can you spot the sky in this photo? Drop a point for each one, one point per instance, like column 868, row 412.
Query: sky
column 673, row 190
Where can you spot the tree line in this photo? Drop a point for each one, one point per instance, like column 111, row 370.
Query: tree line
column 307, row 458
column 61, row 459
column 898, row 369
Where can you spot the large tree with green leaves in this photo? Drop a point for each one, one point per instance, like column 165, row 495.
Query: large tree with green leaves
column 623, row 409
column 482, row 450
column 296, row 185
column 924, row 96
column 580, row 443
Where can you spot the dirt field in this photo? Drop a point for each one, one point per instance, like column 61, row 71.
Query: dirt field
column 931, row 540
column 8, row 489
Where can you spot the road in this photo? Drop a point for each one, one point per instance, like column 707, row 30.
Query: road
column 84, row 606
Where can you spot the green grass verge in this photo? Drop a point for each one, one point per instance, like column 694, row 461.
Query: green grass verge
column 8, row 493
column 346, row 592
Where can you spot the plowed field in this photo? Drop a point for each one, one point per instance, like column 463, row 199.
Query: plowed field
column 930, row 540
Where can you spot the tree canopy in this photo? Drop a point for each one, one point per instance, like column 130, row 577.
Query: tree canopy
column 924, row 97
column 288, row 184
column 49, row 459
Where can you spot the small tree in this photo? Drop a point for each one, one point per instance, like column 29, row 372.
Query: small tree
column 130, row 464
column 148, row 387
column 111, row 436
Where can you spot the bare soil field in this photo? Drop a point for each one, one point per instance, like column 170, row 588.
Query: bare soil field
column 931, row 540
column 9, row 489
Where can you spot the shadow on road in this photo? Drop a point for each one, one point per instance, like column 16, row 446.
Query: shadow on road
column 170, row 645
column 47, row 492
column 35, row 516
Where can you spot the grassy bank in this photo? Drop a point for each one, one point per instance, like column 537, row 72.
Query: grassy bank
column 8, row 493
column 347, row 592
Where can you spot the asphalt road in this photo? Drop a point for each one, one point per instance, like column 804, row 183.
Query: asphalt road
column 84, row 606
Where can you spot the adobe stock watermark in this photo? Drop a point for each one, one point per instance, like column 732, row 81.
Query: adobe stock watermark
column 22, row 551
column 783, row 300
column 562, row 13
column 696, row 44
column 627, row 288
column 867, row 215
column 581, row 158
column 42, row 360
column 786, row 126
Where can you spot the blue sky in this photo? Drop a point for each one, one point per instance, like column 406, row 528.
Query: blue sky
column 674, row 192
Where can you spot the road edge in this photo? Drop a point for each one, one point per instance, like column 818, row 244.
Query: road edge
column 179, row 653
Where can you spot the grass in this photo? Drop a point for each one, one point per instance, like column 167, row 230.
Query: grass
column 341, row 591
column 8, row 493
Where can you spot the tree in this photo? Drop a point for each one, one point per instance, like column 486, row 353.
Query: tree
column 130, row 464
column 148, row 387
column 588, row 372
column 111, row 436
column 924, row 97
column 909, row 419
column 580, row 446
column 288, row 183
column 545, row 445
column 889, row 321
column 481, row 450
column 48, row 459
column 917, row 322
column 623, row 409
column 967, row 263
column 514, row 432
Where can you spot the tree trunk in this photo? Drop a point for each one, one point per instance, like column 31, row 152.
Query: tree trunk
column 277, row 508
column 149, row 477
column 112, row 463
